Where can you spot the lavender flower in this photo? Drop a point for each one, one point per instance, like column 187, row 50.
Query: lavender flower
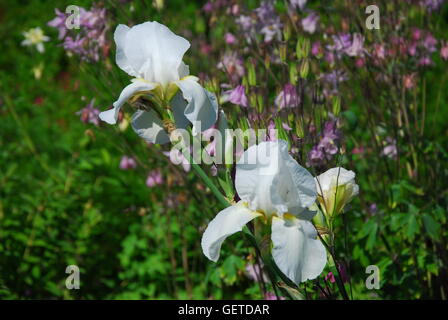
column 390, row 149
column 356, row 48
column 154, row 178
column 432, row 5
column 127, row 163
column 327, row 146
column 444, row 51
column 309, row 24
column 272, row 296
column 430, row 43
column 237, row 96
column 90, row 42
column 340, row 43
column 332, row 81
column 265, row 22
column 351, row 45
column 233, row 65
column 288, row 97
column 269, row 21
column 298, row 4
column 59, row 23
column 89, row 114
column 230, row 38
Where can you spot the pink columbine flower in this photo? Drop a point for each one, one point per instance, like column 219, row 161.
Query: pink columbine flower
column 154, row 178
column 390, row 150
column 238, row 96
column 316, row 49
column 89, row 114
column 233, row 65
column 288, row 97
column 127, row 163
column 444, row 51
column 409, row 81
column 309, row 24
column 272, row 296
column 230, row 38
column 356, row 49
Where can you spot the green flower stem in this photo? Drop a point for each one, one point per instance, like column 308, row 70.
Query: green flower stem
column 265, row 258
column 208, row 182
column 168, row 115
column 336, row 273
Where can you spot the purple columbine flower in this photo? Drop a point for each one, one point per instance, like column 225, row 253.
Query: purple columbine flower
column 432, row 5
column 272, row 296
column 430, row 43
column 316, row 49
column 265, row 22
column 238, row 96
column 444, row 51
column 356, row 48
column 340, row 43
column 373, row 208
column 288, row 97
column 424, row 61
column 309, row 24
column 298, row 4
column 233, row 65
column 230, row 38
column 390, row 149
column 327, row 146
column 127, row 163
column 154, row 178
column 89, row 114
column 89, row 42
column 59, row 23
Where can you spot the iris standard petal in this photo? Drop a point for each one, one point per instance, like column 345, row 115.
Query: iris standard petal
column 297, row 252
column 226, row 223
column 202, row 107
column 151, row 51
column 120, row 57
column 111, row 116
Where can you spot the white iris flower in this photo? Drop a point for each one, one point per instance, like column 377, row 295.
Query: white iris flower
column 271, row 184
column 336, row 187
column 152, row 54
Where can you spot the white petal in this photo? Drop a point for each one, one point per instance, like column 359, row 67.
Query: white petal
column 40, row 47
column 150, row 50
column 111, row 116
column 202, row 108
column 178, row 104
column 226, row 223
column 297, row 251
column 184, row 70
column 149, row 127
column 333, row 177
column 269, row 179
column 120, row 57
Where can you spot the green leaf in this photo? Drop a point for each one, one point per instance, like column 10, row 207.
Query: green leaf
column 412, row 226
column 431, row 226
column 295, row 294
column 372, row 237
